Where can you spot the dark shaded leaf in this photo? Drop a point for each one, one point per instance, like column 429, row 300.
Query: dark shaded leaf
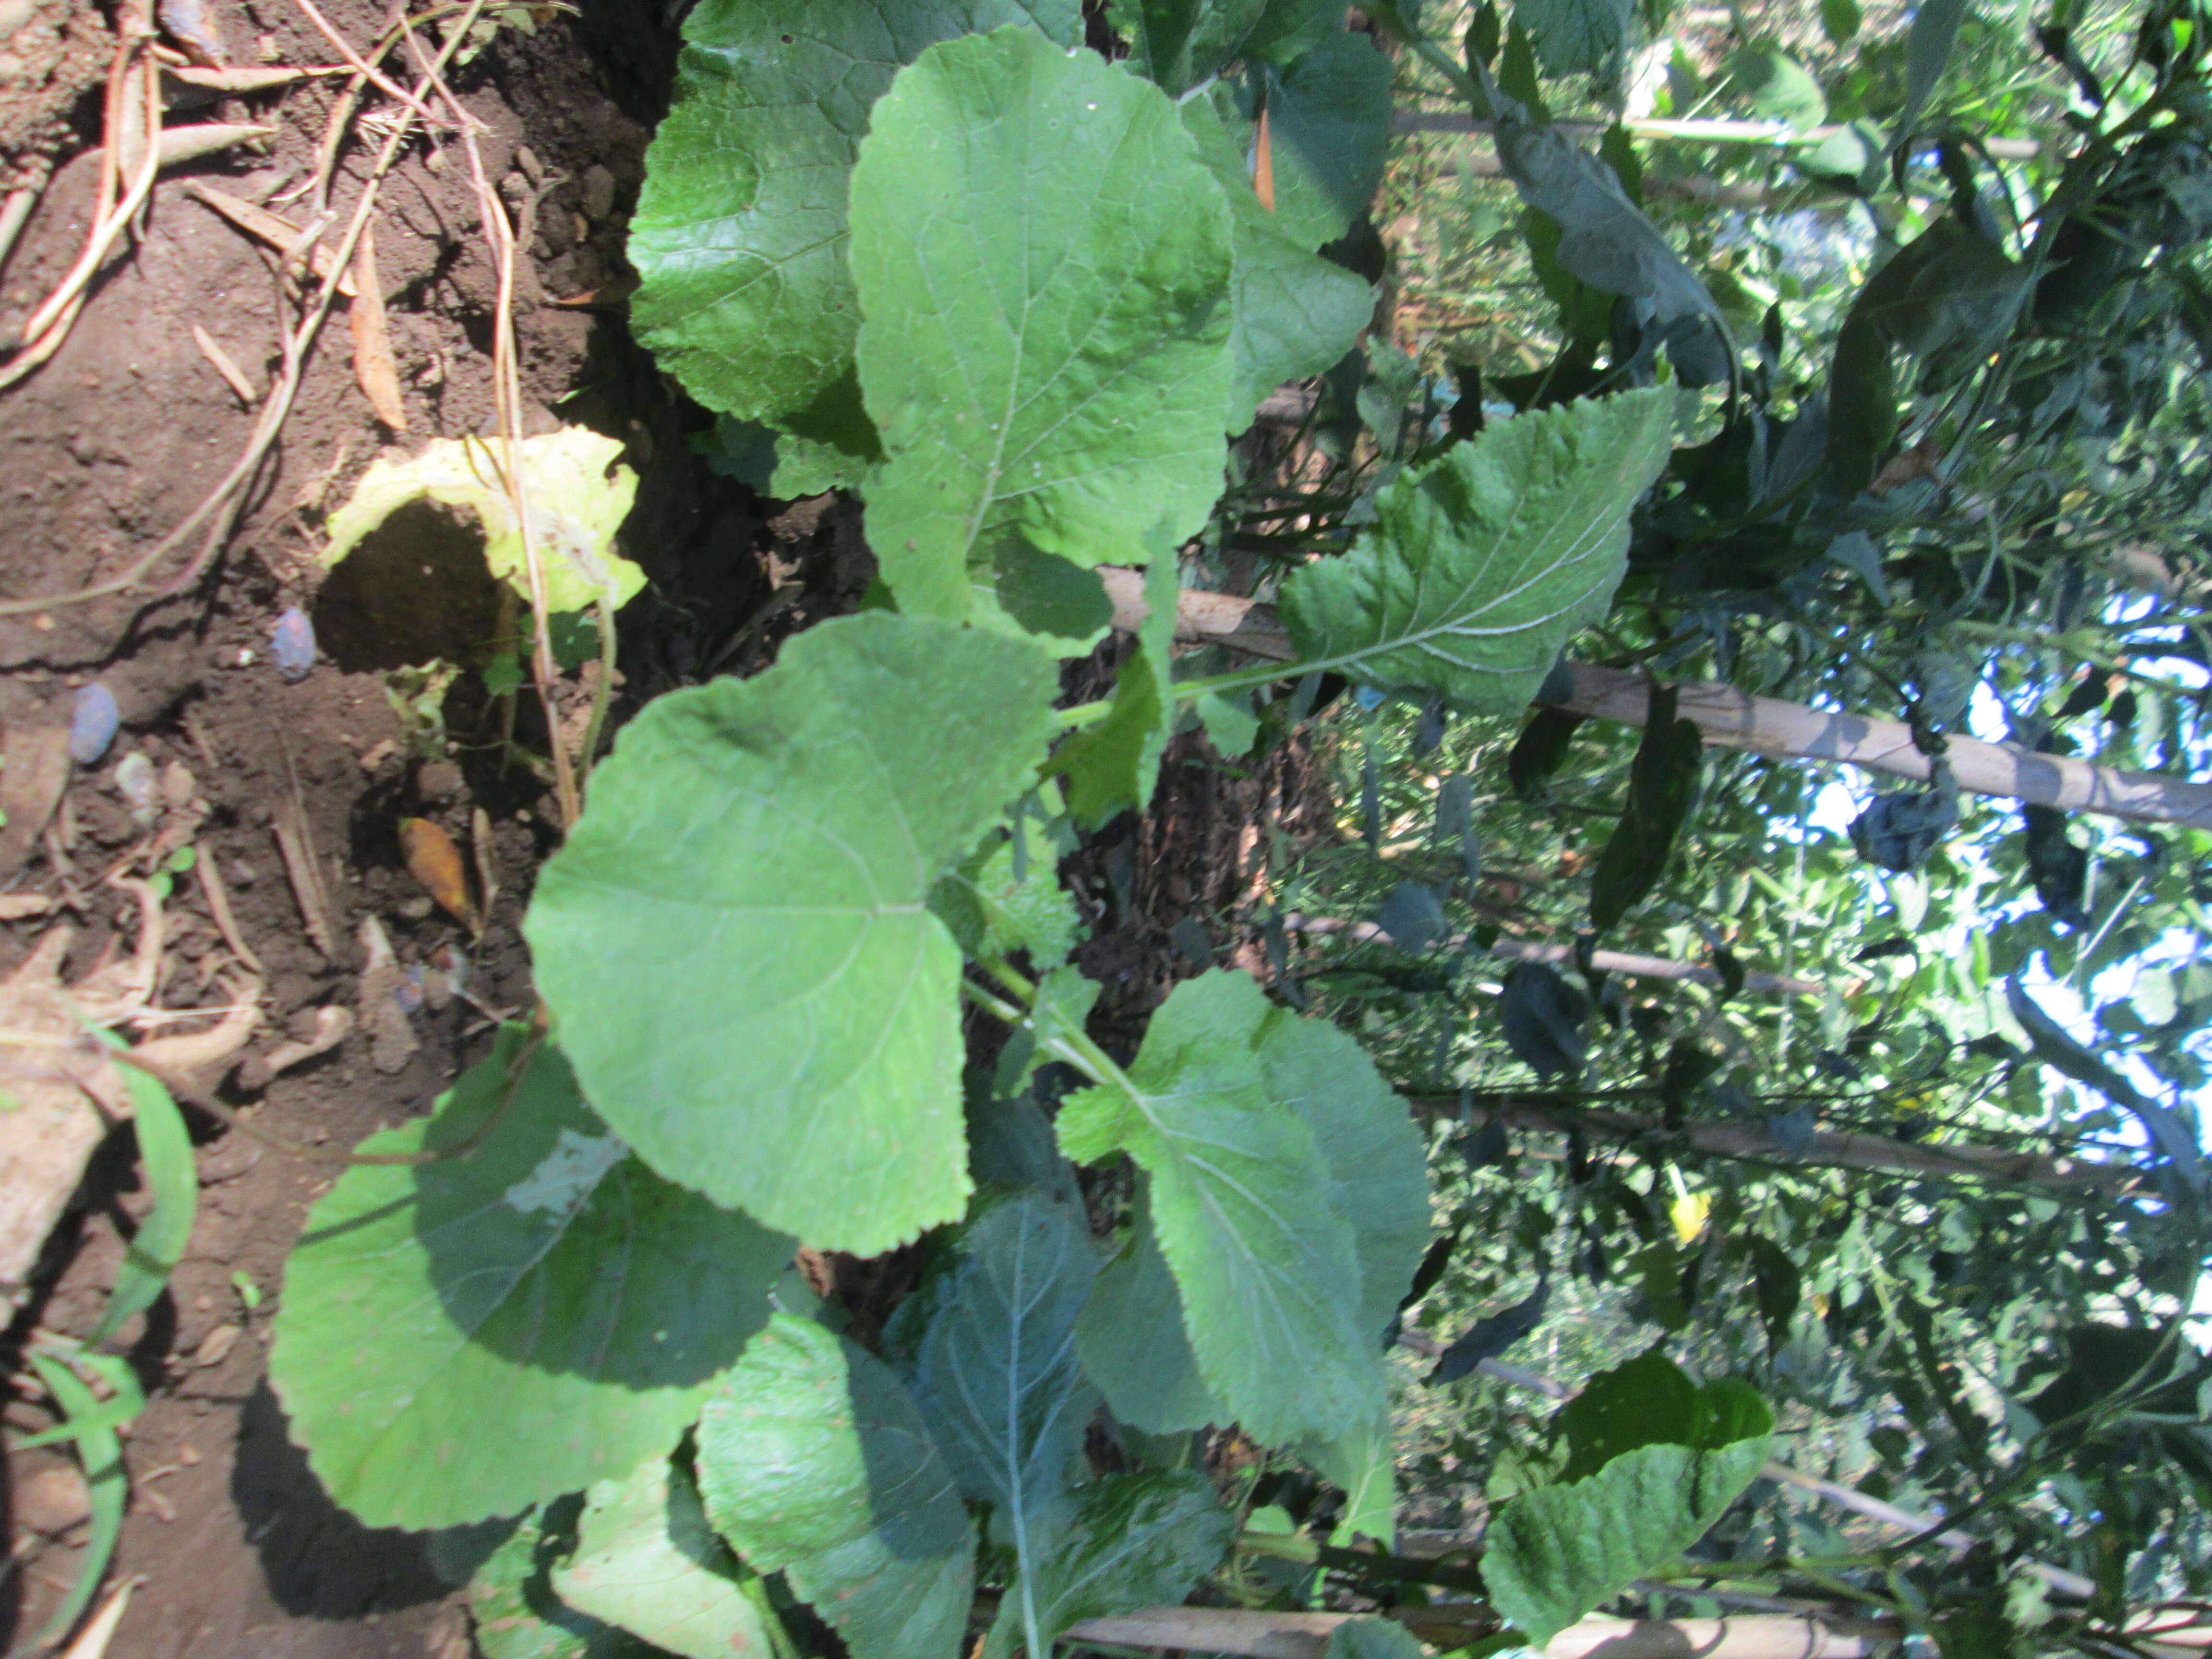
column 1431, row 1269
column 1793, row 1130
column 1898, row 831
column 1545, row 1019
column 1662, row 789
column 1488, row 1338
column 2059, row 869
column 1927, row 50
column 1539, row 752
column 1777, row 1285
column 1604, row 240
column 1412, row 916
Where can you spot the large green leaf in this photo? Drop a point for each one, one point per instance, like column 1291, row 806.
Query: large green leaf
column 1554, row 1554
column 1295, row 313
column 1043, row 266
column 740, row 228
column 735, row 939
column 814, row 1462
column 1132, row 1540
column 997, row 1378
column 646, row 1561
column 1130, row 1339
column 1243, row 1202
column 467, row 1336
column 1378, row 1168
column 1483, row 562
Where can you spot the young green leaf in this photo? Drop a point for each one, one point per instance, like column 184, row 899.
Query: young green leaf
column 1132, row 1341
column 735, row 939
column 740, row 228
column 1482, row 564
column 1132, row 1540
column 546, row 1311
column 1265, row 1258
column 1553, row 1554
column 813, row 1462
column 646, row 1561
column 1112, row 767
column 1043, row 266
column 1663, row 792
column 998, row 1382
column 165, row 1147
column 1007, row 897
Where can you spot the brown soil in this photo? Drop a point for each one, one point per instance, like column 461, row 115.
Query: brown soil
column 102, row 451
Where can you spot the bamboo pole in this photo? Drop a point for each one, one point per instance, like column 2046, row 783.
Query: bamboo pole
column 1826, row 1149
column 1730, row 719
column 1263, row 1635
column 1629, row 963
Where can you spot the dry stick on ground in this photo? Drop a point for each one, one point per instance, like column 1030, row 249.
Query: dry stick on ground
column 1729, row 718
column 1516, row 950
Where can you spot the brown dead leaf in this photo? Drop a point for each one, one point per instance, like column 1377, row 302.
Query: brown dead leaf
column 437, row 864
column 1263, row 164
column 31, row 786
column 373, row 365
column 1917, row 462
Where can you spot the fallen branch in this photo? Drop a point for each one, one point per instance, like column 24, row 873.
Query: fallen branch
column 1611, row 962
column 1730, row 719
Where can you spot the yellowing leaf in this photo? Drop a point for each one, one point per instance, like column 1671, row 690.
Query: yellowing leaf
column 577, row 496
column 1688, row 1213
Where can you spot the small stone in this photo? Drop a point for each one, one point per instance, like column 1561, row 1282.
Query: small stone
column 242, row 874
column 140, row 787
column 439, row 780
column 52, row 1501
column 92, row 724
column 599, row 193
column 214, row 1347
column 179, row 786
column 417, row 909
column 292, row 644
